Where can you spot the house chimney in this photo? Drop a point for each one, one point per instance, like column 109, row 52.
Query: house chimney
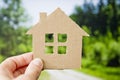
column 43, row 17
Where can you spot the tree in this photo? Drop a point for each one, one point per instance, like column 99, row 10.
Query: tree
column 103, row 23
column 12, row 16
column 103, row 17
column 108, row 16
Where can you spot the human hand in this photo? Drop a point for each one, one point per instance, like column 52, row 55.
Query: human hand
column 21, row 67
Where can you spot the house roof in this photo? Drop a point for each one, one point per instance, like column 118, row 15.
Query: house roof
column 57, row 13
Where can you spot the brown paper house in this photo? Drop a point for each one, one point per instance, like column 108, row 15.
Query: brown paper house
column 57, row 40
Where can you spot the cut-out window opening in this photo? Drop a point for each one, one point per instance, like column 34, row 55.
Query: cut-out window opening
column 62, row 37
column 49, row 49
column 49, row 37
column 62, row 49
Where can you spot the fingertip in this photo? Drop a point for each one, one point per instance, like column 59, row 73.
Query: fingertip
column 38, row 62
column 34, row 69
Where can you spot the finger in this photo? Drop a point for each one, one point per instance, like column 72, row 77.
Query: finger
column 16, row 62
column 34, row 69
column 19, row 71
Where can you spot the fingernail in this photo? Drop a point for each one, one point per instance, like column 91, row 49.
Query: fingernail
column 37, row 61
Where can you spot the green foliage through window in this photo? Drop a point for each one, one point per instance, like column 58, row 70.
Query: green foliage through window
column 62, row 37
column 49, row 49
column 62, row 49
column 49, row 37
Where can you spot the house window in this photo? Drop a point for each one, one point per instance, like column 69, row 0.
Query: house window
column 49, row 37
column 61, row 49
column 51, row 41
column 49, row 49
column 62, row 37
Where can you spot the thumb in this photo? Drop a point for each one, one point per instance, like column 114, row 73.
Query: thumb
column 34, row 69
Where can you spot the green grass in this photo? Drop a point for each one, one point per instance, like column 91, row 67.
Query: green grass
column 44, row 76
column 105, row 73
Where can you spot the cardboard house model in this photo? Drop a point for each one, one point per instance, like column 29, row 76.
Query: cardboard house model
column 57, row 40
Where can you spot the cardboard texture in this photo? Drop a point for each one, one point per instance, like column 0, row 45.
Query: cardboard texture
column 58, row 23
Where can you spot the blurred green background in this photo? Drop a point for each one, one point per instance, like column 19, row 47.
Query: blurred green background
column 101, row 51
